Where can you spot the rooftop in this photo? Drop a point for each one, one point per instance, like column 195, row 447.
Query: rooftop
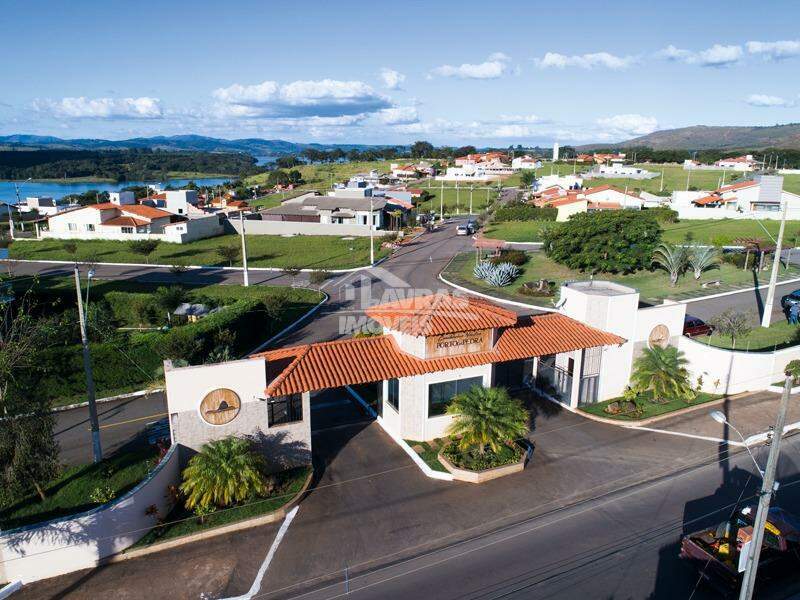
column 600, row 288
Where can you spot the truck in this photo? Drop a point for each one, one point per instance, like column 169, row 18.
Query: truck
column 717, row 553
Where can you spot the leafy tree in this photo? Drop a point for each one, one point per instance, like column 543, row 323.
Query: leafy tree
column 672, row 259
column 606, row 241
column 703, row 258
column 793, row 369
column 487, row 417
column 663, row 372
column 731, row 323
column 143, row 248
column 70, row 248
column 28, row 450
column 287, row 162
column 222, row 473
column 229, row 253
column 422, row 150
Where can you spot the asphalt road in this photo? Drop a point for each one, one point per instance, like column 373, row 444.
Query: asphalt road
column 749, row 301
column 623, row 546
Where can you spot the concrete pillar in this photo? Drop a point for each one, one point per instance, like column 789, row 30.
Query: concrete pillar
column 577, row 357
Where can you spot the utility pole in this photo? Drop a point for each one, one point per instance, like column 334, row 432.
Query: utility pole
column 470, row 199
column 661, row 189
column 441, row 202
column 773, row 277
column 371, row 233
column 97, row 452
column 767, row 489
column 244, row 251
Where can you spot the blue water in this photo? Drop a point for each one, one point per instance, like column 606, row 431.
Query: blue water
column 59, row 190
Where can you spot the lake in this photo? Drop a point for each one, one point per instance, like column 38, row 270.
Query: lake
column 59, row 190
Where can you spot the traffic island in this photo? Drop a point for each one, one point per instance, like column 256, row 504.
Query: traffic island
column 517, row 459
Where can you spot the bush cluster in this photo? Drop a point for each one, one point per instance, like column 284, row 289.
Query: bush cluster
column 515, row 257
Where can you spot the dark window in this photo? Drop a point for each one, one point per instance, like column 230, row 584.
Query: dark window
column 286, row 409
column 393, row 393
column 440, row 394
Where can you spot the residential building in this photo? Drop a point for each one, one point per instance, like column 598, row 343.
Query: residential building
column 566, row 182
column 404, row 172
column 340, row 209
column 526, row 162
column 475, row 159
column 45, row 206
column 612, row 158
column 738, row 163
column 610, row 171
column 604, row 197
column 761, row 197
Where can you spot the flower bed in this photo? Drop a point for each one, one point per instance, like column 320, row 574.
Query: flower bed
column 473, row 467
column 624, row 410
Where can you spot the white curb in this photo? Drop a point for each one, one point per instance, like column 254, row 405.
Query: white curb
column 495, row 298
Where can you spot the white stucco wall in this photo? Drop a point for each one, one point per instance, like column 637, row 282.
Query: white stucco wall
column 79, row 542
column 257, row 227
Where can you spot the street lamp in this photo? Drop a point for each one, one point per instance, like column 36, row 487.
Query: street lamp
column 8, row 206
column 719, row 417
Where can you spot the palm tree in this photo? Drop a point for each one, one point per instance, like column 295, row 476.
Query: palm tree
column 703, row 258
column 672, row 259
column 487, row 417
column 223, row 472
column 662, row 371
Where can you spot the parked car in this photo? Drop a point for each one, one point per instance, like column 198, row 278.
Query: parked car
column 692, row 326
column 790, row 299
column 462, row 230
column 716, row 552
column 472, row 225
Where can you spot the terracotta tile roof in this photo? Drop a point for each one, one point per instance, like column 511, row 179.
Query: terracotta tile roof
column 568, row 199
column 125, row 222
column 140, row 210
column 440, row 313
column 404, row 203
column 605, row 205
column 737, row 186
column 713, row 199
column 363, row 360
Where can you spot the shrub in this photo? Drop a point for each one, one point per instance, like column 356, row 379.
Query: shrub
column 483, row 270
column 734, row 258
column 515, row 257
column 541, row 288
column 521, row 211
column 502, row 275
column 793, row 369
column 318, row 277
column 664, row 214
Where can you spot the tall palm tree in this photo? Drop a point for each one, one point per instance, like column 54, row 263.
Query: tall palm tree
column 703, row 258
column 672, row 259
column 662, row 371
column 487, row 417
column 223, row 472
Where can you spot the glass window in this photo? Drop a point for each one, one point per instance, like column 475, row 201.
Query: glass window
column 440, row 394
column 127, row 230
column 286, row 409
column 393, row 393
column 72, row 226
column 90, row 227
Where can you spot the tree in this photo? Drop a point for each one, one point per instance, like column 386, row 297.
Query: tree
column 70, row 248
column 229, row 253
column 527, row 178
column 487, row 417
column 168, row 298
column 793, row 369
column 223, row 472
column 422, row 150
column 606, row 241
column 672, row 259
column 28, row 450
column 662, row 371
column 703, row 258
column 731, row 323
column 143, row 247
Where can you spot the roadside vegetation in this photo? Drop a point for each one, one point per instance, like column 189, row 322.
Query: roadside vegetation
column 308, row 252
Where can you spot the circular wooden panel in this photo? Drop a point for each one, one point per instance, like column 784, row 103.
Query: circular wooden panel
column 659, row 336
column 220, row 406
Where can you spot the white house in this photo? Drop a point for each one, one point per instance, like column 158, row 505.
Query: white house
column 563, row 181
column 619, row 170
column 739, row 163
column 44, row 205
column 525, row 162
column 761, row 197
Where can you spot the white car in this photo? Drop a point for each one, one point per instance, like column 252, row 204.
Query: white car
column 462, row 230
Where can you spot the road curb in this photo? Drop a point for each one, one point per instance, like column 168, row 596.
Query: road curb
column 494, row 298
column 109, row 399
column 292, row 325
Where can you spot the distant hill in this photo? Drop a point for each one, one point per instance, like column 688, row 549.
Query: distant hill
column 703, row 137
column 199, row 143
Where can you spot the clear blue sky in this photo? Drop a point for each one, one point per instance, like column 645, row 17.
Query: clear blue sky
column 373, row 72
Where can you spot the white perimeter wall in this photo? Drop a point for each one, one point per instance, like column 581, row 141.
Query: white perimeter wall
column 256, row 227
column 736, row 371
column 79, row 542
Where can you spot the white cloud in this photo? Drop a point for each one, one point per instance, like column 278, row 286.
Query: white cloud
column 584, row 61
column 392, row 80
column 715, row 56
column 399, row 115
column 102, row 108
column 775, row 50
column 519, row 119
column 299, row 99
column 628, row 125
column 766, row 100
column 493, row 67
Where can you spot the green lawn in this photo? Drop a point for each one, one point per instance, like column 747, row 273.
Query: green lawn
column 322, row 176
column 456, row 200
column 70, row 493
column 651, row 409
column 653, row 286
column 781, row 334
column 429, row 455
column 308, row 252
column 183, row 522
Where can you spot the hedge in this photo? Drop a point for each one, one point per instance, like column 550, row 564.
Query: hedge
column 525, row 212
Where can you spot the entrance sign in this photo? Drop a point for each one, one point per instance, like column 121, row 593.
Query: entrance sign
column 453, row 344
column 220, row 407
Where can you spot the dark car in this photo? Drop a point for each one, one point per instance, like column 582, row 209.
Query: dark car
column 790, row 299
column 692, row 326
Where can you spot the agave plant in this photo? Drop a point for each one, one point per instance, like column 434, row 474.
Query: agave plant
column 483, row 270
column 502, row 275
